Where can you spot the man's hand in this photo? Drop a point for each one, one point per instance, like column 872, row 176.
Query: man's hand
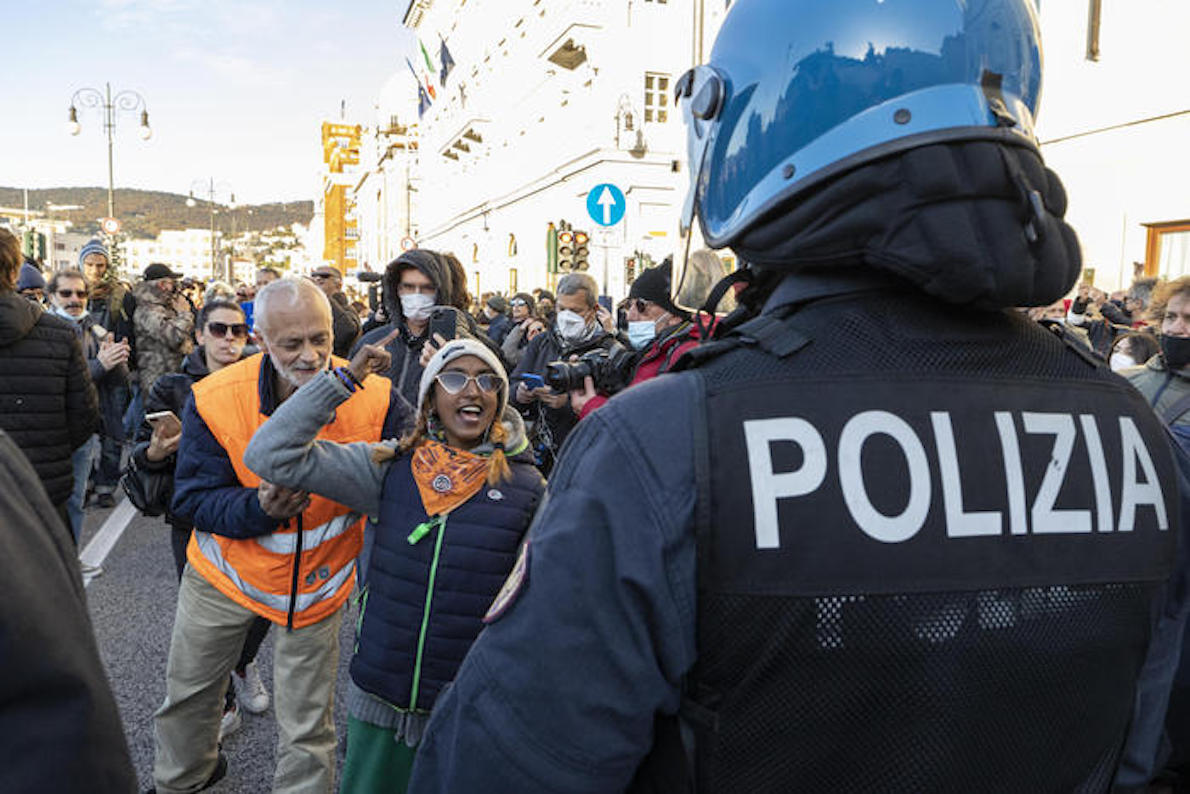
column 161, row 446
column 523, row 394
column 280, row 502
column 112, row 354
column 550, row 398
column 180, row 304
column 370, row 359
column 430, row 347
column 580, row 397
column 605, row 319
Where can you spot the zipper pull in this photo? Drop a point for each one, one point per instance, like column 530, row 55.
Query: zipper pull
column 421, row 530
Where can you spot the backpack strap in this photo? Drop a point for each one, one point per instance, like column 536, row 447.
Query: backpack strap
column 1173, row 412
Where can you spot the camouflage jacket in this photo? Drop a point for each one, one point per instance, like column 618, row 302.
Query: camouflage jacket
column 164, row 335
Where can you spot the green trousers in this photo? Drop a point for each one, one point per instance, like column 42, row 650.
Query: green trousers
column 375, row 763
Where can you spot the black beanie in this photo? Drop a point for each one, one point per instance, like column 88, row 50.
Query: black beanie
column 653, row 285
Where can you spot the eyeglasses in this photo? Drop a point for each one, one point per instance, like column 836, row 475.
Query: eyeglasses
column 238, row 330
column 454, row 382
column 641, row 304
column 321, row 276
column 68, row 293
column 517, row 303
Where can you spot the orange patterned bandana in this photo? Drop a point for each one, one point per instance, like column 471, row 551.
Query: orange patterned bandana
column 446, row 477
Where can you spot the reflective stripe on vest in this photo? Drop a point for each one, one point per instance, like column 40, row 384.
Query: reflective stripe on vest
column 286, row 542
column 210, row 549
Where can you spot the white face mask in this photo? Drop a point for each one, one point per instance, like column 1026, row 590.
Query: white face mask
column 571, row 325
column 1121, row 361
column 417, row 306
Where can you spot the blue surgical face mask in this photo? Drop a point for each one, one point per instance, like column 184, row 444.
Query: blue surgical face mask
column 641, row 333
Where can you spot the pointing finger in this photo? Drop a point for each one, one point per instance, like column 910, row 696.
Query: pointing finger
column 390, row 336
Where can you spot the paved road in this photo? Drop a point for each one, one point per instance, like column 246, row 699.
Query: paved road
column 132, row 606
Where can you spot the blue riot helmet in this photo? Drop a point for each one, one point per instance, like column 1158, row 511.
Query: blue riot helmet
column 800, row 91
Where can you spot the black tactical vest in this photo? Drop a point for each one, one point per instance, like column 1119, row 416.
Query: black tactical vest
column 930, row 542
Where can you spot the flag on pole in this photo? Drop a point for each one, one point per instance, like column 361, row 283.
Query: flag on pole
column 448, row 62
column 427, row 75
column 423, row 98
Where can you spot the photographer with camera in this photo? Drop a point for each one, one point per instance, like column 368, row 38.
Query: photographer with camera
column 658, row 330
column 581, row 326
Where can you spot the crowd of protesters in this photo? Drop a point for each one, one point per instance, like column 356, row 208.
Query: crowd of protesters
column 430, row 407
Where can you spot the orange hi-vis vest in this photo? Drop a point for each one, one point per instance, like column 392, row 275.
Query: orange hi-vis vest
column 308, row 564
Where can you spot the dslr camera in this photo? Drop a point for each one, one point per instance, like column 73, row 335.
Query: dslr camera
column 611, row 369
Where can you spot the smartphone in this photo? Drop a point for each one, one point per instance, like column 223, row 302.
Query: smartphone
column 444, row 321
column 533, row 381
column 167, row 420
column 606, row 302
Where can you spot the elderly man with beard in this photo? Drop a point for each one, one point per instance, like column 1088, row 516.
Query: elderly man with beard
column 107, row 362
column 260, row 549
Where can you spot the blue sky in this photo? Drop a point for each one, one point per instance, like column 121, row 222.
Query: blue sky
column 236, row 89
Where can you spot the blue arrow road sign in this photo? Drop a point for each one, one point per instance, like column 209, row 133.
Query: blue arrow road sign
column 606, row 204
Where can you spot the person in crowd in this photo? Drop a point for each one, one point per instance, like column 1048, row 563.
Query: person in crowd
column 582, row 326
column 30, row 283
column 546, row 307
column 466, row 464
column 107, row 363
column 111, row 304
column 1164, row 379
column 346, row 322
column 813, row 559
column 525, row 326
column 658, row 329
column 60, row 724
column 1132, row 349
column 459, row 296
column 221, row 334
column 260, row 549
column 361, row 310
column 219, row 290
column 47, row 400
column 164, row 325
column 266, row 276
column 496, row 312
column 415, row 282
column 1104, row 320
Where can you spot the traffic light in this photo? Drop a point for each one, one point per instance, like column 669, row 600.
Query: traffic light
column 34, row 245
column 566, row 260
column 581, row 241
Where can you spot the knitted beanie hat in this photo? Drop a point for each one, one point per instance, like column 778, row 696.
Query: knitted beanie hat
column 30, row 278
column 94, row 246
column 457, row 348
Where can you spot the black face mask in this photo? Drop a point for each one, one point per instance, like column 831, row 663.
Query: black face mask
column 1175, row 350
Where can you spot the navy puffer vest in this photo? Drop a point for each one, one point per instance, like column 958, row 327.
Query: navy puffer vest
column 426, row 601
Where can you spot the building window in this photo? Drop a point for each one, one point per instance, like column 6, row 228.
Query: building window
column 656, row 97
column 1168, row 251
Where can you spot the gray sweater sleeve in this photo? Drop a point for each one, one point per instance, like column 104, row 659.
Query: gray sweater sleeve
column 284, row 450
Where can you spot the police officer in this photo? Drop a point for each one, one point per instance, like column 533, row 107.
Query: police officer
column 884, row 534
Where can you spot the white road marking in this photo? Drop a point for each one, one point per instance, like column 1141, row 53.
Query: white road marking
column 95, row 552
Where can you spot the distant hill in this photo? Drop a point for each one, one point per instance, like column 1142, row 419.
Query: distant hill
column 144, row 213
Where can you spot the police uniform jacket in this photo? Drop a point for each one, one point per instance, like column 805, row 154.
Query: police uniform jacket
column 885, row 540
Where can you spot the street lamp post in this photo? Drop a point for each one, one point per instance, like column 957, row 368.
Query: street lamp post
column 127, row 101
column 212, row 189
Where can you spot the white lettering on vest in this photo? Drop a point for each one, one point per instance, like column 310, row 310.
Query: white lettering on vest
column 887, row 529
column 1133, row 493
column 1139, row 483
column 1103, row 515
column 959, row 523
column 767, row 485
column 1013, row 476
column 1046, row 519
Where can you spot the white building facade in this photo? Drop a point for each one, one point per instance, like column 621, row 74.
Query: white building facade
column 1114, row 122
column 548, row 99
column 387, row 186
column 186, row 251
